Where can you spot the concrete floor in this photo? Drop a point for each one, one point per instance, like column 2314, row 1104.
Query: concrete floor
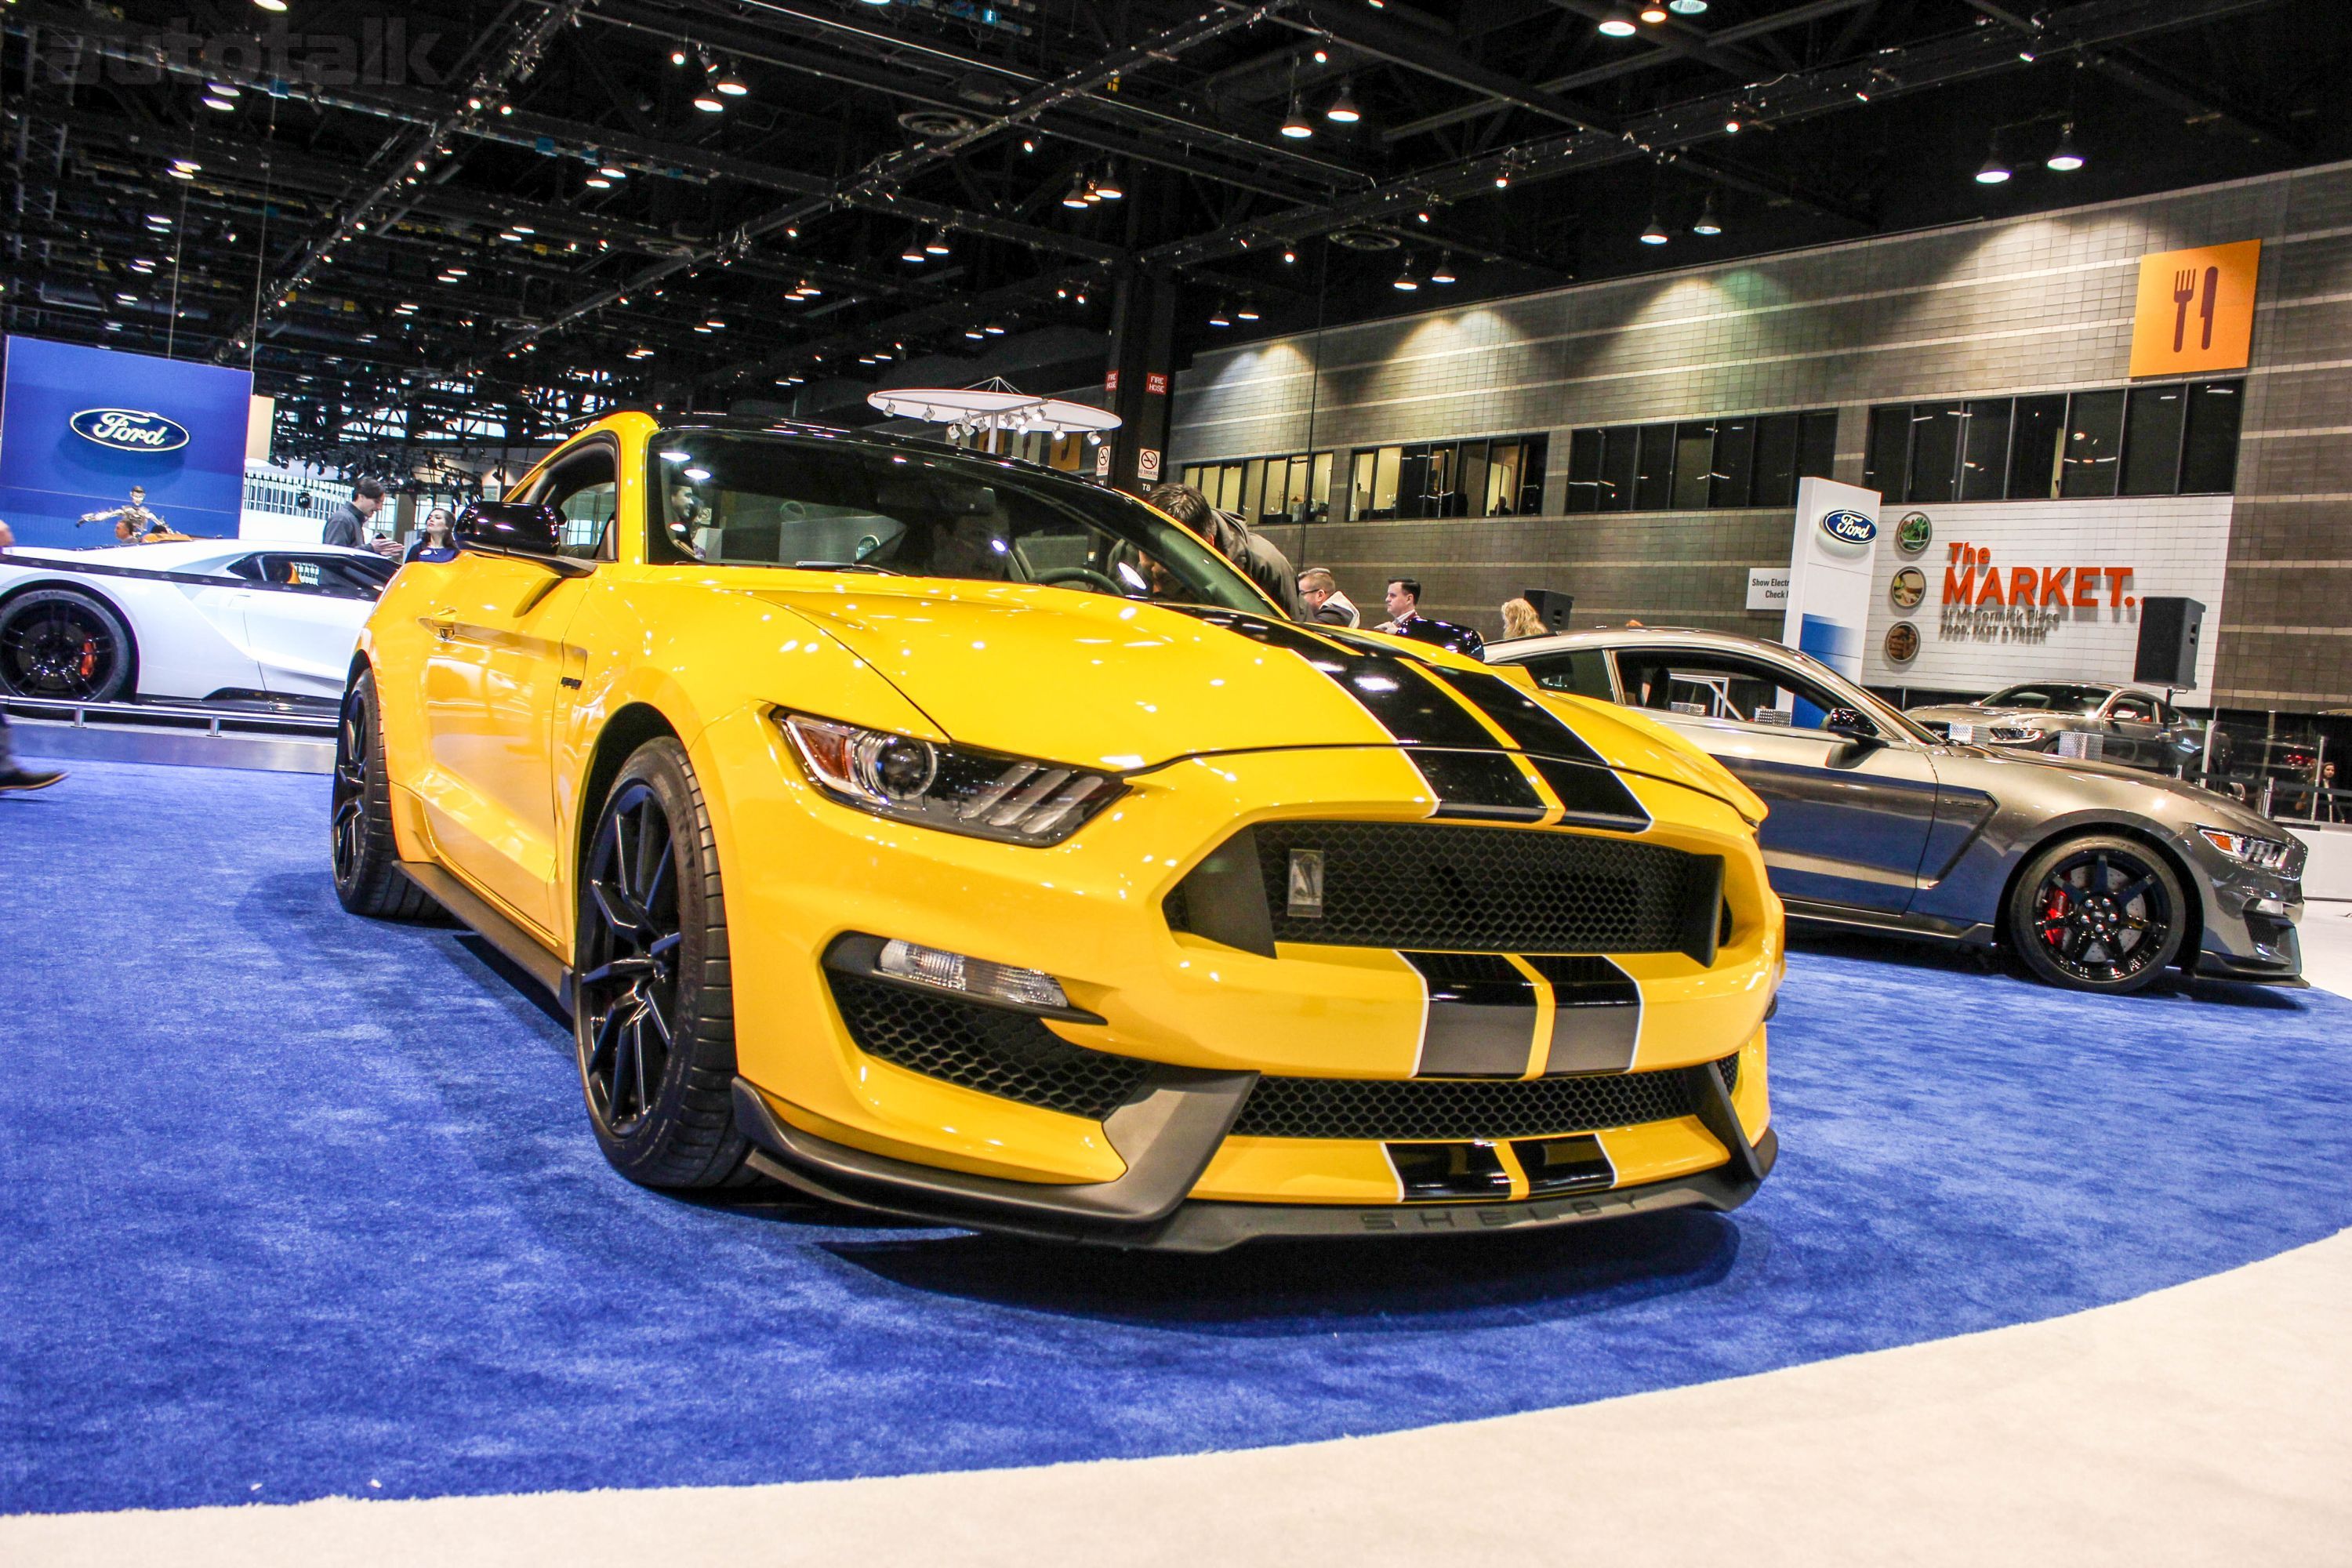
column 2207, row 1423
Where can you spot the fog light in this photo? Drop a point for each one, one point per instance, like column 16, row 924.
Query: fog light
column 973, row 976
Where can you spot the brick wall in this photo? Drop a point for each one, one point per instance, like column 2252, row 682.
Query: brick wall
column 2033, row 304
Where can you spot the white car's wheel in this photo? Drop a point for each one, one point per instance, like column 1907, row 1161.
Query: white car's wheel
column 62, row 643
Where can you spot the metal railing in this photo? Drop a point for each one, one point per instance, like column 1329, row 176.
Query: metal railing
column 211, row 719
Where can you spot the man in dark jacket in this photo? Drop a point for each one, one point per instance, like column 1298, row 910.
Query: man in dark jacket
column 1407, row 621
column 348, row 523
column 1319, row 592
column 1257, row 555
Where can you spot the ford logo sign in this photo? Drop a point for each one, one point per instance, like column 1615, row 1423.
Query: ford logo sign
column 1849, row 527
column 129, row 429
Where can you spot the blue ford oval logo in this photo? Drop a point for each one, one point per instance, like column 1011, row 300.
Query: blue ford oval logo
column 129, row 429
column 1849, row 527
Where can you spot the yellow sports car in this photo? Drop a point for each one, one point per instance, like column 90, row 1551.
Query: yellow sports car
column 946, row 835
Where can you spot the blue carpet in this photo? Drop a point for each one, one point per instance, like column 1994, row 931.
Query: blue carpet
column 294, row 1204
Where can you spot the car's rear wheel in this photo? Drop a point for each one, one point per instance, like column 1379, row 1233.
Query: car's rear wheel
column 653, row 1005
column 65, row 646
column 366, row 858
column 2097, row 914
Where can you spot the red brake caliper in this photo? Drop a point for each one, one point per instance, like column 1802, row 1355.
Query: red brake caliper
column 89, row 658
column 2054, row 917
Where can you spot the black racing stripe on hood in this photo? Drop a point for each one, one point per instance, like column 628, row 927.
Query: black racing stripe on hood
column 1486, row 785
column 1396, row 692
column 1533, row 726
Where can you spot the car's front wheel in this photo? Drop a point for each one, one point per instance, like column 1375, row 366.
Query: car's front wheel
column 365, row 857
column 65, row 646
column 2097, row 914
column 653, row 1005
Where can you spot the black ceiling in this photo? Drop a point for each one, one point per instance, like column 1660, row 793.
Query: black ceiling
column 418, row 200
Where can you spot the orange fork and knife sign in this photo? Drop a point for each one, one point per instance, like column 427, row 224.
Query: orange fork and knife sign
column 2196, row 310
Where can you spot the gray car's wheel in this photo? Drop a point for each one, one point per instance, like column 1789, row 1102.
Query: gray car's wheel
column 2100, row 912
column 653, row 1005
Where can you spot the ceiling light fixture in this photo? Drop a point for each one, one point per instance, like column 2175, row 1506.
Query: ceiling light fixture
column 1108, row 187
column 1618, row 24
column 1731, row 128
column 1343, row 109
column 1708, row 224
column 915, row 252
column 1294, row 124
column 2065, row 158
column 993, row 329
column 938, row 244
column 1687, row 7
column 1406, row 282
column 1220, row 317
column 709, row 103
column 1076, row 197
column 1654, row 14
column 1443, row 271
column 1994, row 171
column 214, row 101
column 1655, row 234
column 730, row 82
column 1247, row 312
column 677, row 56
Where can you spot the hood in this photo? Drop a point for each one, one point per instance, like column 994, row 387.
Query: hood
column 2210, row 809
column 1977, row 713
column 1085, row 677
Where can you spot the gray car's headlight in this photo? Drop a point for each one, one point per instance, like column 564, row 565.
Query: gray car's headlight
column 2262, row 853
column 983, row 794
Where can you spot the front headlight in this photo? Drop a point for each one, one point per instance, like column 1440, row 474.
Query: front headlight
column 2262, row 853
column 983, row 794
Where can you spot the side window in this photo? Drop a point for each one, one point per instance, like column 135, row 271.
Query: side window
column 305, row 574
column 2133, row 709
column 584, row 489
column 1583, row 671
column 1702, row 684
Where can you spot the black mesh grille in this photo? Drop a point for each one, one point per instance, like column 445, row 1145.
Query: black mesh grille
column 1450, row 1107
column 986, row 1049
column 1481, row 890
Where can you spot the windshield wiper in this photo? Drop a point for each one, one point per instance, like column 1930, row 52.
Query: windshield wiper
column 845, row 566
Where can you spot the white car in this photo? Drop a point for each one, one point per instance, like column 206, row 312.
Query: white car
column 207, row 619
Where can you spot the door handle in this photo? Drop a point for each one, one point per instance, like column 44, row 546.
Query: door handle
column 442, row 624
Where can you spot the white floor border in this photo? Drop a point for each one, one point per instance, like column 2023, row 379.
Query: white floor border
column 2208, row 1422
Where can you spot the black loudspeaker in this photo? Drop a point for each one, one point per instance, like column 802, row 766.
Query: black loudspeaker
column 1551, row 605
column 2167, row 642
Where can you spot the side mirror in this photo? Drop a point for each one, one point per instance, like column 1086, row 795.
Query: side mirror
column 1851, row 723
column 516, row 528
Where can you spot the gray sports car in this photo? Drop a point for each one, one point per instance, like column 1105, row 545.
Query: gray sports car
column 2136, row 727
column 2096, row 876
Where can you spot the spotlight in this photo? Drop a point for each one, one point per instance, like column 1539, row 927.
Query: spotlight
column 1248, row 313
column 938, row 244
column 1731, row 128
column 1405, row 281
column 1502, row 179
column 1655, row 234
column 974, row 333
column 915, row 252
column 1654, row 14
column 214, row 100
column 1294, row 125
column 597, row 183
column 1687, row 7
column 1220, row 317
column 1708, row 224
column 1618, row 24
column 1995, row 172
column 709, row 103
column 1108, row 187
column 271, row 5
column 1076, row 197
column 2064, row 158
column 1289, row 255
column 678, row 56
column 1443, row 271
column 1343, row 109
column 730, row 82
column 614, row 172
column 993, row 329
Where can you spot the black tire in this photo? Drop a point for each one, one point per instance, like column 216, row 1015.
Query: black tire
column 65, row 646
column 654, row 1004
column 2100, row 912
column 365, row 858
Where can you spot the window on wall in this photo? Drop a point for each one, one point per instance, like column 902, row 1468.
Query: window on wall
column 1749, row 460
column 2171, row 439
column 1294, row 489
column 1502, row 477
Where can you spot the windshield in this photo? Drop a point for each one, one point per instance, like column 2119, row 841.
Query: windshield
column 823, row 503
column 2052, row 699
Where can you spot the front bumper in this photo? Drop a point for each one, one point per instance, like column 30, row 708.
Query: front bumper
column 1169, row 1133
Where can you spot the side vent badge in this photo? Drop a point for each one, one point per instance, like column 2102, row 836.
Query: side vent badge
column 1306, row 902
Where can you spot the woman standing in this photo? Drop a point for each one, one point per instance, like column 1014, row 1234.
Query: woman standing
column 1521, row 620
column 437, row 541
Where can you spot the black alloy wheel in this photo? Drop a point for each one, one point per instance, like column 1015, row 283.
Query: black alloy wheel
column 2104, row 913
column 59, row 644
column 362, row 850
column 652, row 1003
